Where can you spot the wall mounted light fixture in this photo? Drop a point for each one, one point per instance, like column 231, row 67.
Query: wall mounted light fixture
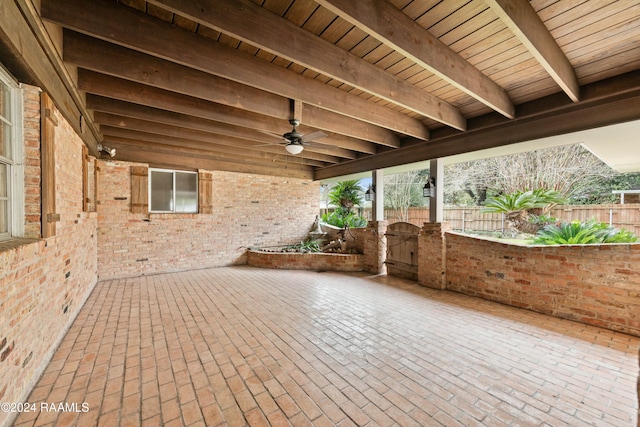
column 110, row 151
column 370, row 194
column 429, row 189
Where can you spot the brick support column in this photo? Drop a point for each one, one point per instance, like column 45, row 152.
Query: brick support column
column 375, row 246
column 432, row 255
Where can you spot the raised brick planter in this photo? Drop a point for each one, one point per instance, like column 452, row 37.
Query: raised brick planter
column 305, row 261
column 594, row 284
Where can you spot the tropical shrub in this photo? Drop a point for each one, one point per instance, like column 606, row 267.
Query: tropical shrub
column 339, row 218
column 311, row 245
column 582, row 233
column 525, row 210
column 345, row 195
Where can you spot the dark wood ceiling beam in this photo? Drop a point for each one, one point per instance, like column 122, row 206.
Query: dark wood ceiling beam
column 616, row 100
column 111, row 87
column 138, row 31
column 180, row 145
column 97, row 55
column 392, row 27
column 525, row 23
column 128, row 109
column 229, row 143
column 108, row 58
column 251, row 23
column 169, row 160
column 197, row 135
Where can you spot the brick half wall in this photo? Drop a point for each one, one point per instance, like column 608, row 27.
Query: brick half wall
column 593, row 284
column 308, row 261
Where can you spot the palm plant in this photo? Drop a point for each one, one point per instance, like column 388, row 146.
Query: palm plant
column 582, row 233
column 525, row 209
column 345, row 195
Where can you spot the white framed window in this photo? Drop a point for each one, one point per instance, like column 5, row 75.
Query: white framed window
column 11, row 158
column 173, row 191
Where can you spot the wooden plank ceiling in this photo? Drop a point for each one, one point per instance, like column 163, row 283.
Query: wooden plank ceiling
column 213, row 83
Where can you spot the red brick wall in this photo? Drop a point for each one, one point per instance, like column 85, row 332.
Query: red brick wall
column 31, row 134
column 248, row 211
column 310, row 261
column 593, row 284
column 374, row 246
column 43, row 283
column 431, row 247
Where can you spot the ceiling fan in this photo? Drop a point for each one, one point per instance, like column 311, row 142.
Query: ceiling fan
column 294, row 141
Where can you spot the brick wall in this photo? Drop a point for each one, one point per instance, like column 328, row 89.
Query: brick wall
column 431, row 247
column 593, row 284
column 310, row 261
column 31, row 135
column 248, row 211
column 374, row 247
column 43, row 283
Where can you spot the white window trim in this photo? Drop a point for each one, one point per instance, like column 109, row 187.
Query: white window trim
column 16, row 176
column 173, row 171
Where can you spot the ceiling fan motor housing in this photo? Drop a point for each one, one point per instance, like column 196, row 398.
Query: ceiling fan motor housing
column 294, row 135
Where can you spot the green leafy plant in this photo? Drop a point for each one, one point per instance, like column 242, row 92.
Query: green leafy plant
column 345, row 195
column 582, row 233
column 312, row 245
column 525, row 210
column 608, row 234
column 338, row 218
column 542, row 219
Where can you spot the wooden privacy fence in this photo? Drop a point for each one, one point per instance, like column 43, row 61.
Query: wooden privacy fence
column 469, row 218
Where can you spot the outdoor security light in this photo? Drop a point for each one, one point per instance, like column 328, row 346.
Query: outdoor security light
column 429, row 189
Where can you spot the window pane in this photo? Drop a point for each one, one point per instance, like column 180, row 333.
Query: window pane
column 5, row 102
column 4, row 216
column 161, row 191
column 4, row 180
column 186, row 192
column 5, row 139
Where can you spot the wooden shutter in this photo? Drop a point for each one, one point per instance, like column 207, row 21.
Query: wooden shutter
column 205, row 192
column 139, row 189
column 86, row 200
column 48, row 165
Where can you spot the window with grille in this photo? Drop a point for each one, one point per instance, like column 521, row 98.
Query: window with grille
column 11, row 161
column 173, row 191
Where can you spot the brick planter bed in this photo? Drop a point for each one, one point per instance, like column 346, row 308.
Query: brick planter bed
column 594, row 284
column 305, row 261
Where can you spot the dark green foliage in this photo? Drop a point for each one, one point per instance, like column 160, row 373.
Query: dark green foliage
column 345, row 195
column 522, row 201
column 339, row 218
column 525, row 210
column 312, row 245
column 582, row 233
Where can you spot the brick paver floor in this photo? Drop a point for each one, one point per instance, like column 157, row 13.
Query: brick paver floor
column 245, row 346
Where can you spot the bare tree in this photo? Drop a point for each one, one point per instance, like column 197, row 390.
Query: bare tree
column 403, row 190
column 568, row 169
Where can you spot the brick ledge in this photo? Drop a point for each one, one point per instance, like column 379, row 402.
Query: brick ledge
column 305, row 261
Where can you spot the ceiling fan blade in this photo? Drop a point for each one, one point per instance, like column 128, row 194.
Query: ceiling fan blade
column 270, row 144
column 313, row 135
